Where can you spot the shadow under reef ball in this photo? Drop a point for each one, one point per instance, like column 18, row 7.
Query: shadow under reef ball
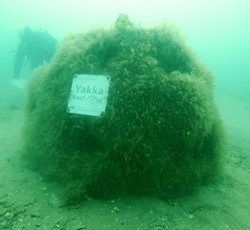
column 160, row 135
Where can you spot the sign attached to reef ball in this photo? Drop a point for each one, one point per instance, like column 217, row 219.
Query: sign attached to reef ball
column 88, row 94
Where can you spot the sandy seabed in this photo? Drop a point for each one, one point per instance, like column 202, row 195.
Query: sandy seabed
column 29, row 202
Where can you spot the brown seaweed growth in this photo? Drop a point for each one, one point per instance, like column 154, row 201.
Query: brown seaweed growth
column 160, row 134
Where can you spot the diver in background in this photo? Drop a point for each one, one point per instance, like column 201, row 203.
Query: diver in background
column 38, row 46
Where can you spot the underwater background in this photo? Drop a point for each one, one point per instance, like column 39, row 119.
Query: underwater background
column 217, row 31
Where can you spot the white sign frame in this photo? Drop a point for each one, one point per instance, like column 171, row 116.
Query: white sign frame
column 88, row 95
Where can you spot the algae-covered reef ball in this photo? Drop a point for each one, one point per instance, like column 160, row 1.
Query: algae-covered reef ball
column 160, row 133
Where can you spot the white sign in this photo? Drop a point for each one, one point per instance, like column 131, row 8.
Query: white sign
column 88, row 94
column 19, row 83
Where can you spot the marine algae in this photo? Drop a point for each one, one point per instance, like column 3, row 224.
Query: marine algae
column 160, row 135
